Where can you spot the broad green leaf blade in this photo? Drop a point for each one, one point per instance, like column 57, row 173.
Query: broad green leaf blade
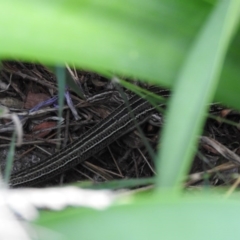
column 229, row 86
column 168, row 219
column 144, row 39
column 194, row 89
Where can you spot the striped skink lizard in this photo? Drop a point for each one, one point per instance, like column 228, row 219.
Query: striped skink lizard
column 118, row 123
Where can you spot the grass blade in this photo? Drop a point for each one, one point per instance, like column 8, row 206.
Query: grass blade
column 10, row 159
column 195, row 88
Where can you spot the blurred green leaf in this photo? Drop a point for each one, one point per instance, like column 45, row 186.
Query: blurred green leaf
column 229, row 85
column 194, row 89
column 118, row 184
column 61, row 80
column 144, row 39
column 149, row 218
column 10, row 158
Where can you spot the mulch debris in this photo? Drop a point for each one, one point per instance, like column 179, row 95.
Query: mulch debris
column 30, row 90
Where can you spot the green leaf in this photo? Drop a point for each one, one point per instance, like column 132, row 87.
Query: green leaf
column 144, row 39
column 10, row 158
column 118, row 184
column 149, row 218
column 193, row 91
column 61, row 80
